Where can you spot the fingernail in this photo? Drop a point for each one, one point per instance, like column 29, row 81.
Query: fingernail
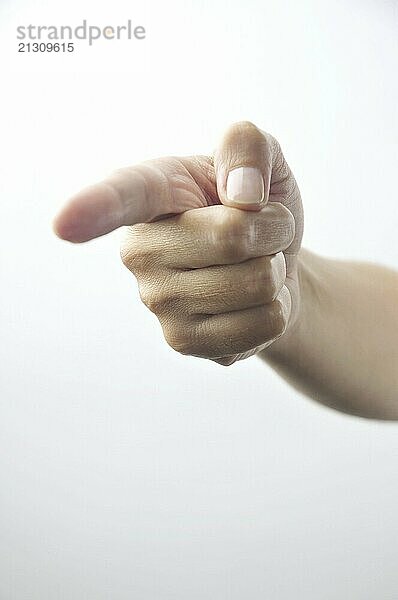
column 245, row 185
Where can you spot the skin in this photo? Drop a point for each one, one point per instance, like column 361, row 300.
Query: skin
column 229, row 280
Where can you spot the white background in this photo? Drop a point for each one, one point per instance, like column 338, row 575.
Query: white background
column 128, row 471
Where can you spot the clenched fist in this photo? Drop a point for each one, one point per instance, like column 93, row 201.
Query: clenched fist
column 212, row 241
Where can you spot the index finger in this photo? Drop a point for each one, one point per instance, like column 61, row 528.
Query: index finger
column 121, row 199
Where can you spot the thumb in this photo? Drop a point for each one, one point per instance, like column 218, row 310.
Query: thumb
column 243, row 165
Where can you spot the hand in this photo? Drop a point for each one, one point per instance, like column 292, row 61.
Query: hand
column 221, row 272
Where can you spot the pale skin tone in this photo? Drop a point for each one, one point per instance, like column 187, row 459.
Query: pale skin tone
column 218, row 259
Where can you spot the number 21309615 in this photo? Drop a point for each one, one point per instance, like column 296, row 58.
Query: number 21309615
column 45, row 47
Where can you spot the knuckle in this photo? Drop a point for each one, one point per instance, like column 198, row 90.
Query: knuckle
column 234, row 151
column 277, row 321
column 274, row 146
column 157, row 295
column 288, row 226
column 252, row 335
column 280, row 167
column 181, row 344
column 232, row 236
column 268, row 283
column 213, row 342
column 192, row 338
column 278, row 265
column 179, row 338
column 152, row 300
column 135, row 253
column 274, row 143
column 246, row 126
column 127, row 256
column 280, row 226
column 234, row 249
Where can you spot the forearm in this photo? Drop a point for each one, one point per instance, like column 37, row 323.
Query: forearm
column 343, row 349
